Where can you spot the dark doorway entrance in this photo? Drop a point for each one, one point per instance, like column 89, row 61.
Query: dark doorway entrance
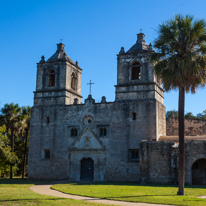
column 199, row 172
column 87, row 169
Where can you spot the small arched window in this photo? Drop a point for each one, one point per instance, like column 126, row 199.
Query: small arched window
column 135, row 70
column 51, row 77
column 73, row 81
column 102, row 132
column 73, row 132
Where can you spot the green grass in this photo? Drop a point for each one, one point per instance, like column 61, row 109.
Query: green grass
column 16, row 192
column 131, row 192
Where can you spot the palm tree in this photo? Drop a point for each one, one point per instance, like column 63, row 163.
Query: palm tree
column 10, row 117
column 180, row 61
column 26, row 111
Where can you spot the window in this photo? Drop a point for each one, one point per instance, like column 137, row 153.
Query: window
column 133, row 155
column 88, row 120
column 102, row 132
column 46, row 154
column 47, row 120
column 73, row 132
column 73, row 81
column 135, row 70
column 51, row 77
column 134, row 116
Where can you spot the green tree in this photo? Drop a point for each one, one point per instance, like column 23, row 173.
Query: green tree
column 6, row 156
column 189, row 115
column 180, row 63
column 201, row 115
column 11, row 118
column 26, row 112
column 169, row 113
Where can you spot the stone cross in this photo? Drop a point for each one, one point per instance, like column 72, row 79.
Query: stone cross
column 90, row 89
column 61, row 40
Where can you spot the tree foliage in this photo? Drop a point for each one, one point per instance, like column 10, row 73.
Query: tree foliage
column 180, row 59
column 6, row 156
column 188, row 115
column 14, row 124
column 180, row 62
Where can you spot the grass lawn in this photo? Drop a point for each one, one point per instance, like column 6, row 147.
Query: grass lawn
column 132, row 192
column 17, row 192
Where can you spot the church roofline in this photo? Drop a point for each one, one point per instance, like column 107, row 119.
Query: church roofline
column 139, row 47
column 42, row 63
column 59, row 56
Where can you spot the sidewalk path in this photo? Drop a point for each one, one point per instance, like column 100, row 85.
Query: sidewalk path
column 46, row 190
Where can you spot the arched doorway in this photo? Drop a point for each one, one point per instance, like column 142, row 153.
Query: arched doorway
column 87, row 169
column 199, row 172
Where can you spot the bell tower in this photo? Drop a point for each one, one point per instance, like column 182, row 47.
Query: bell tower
column 135, row 77
column 58, row 80
column 139, row 88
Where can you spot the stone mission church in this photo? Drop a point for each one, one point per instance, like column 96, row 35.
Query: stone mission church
column 75, row 140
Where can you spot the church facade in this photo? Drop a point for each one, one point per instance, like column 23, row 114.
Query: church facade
column 75, row 140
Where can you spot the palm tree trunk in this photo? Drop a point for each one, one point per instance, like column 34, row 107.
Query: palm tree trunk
column 25, row 152
column 181, row 141
column 12, row 149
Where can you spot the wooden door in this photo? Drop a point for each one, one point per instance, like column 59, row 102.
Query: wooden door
column 87, row 169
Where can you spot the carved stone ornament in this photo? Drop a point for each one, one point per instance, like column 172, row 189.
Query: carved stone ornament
column 88, row 120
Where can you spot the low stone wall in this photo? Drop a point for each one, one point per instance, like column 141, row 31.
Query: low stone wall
column 192, row 127
column 159, row 161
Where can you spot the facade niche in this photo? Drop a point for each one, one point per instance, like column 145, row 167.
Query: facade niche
column 73, row 132
column 133, row 155
column 135, row 70
column 51, row 78
column 46, row 154
column 102, row 132
column 134, row 116
column 73, row 81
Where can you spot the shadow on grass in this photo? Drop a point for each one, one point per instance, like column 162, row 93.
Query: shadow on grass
column 36, row 200
column 134, row 184
column 44, row 182
column 25, row 181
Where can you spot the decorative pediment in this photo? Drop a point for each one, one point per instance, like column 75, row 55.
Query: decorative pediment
column 87, row 141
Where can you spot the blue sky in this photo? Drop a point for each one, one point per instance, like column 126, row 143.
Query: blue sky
column 93, row 32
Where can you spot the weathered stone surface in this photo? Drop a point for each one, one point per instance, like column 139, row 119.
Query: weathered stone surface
column 192, row 127
column 159, row 162
column 64, row 131
column 70, row 131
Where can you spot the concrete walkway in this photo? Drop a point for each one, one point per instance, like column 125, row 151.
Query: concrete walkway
column 46, row 190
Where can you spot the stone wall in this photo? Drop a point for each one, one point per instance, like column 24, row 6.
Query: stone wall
column 155, row 162
column 159, row 162
column 111, row 163
column 192, row 127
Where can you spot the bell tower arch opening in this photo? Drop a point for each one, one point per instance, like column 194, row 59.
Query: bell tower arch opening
column 51, row 78
column 199, row 172
column 73, row 81
column 135, row 70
